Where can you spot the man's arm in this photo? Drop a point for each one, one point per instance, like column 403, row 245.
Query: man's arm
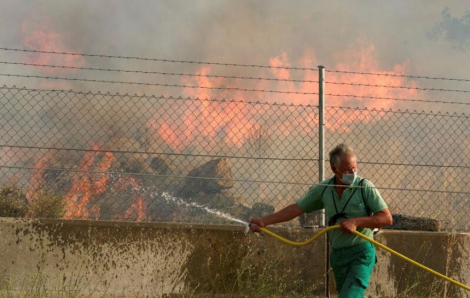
column 288, row 213
column 378, row 220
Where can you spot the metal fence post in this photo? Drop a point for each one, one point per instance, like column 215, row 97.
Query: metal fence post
column 321, row 162
column 321, row 132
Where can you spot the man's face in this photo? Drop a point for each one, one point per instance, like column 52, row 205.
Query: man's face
column 347, row 165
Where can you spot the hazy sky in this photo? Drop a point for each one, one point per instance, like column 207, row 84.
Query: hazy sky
column 427, row 38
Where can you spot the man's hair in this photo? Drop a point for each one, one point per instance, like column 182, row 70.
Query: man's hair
column 339, row 151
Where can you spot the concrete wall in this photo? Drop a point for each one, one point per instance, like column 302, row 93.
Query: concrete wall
column 446, row 253
column 153, row 259
column 150, row 259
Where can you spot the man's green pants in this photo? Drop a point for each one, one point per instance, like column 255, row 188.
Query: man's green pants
column 352, row 267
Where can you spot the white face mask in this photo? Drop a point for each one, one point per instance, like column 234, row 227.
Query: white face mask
column 348, row 178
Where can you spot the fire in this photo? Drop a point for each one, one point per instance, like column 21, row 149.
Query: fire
column 280, row 61
column 169, row 135
column 37, row 177
column 231, row 122
column 39, row 33
column 138, row 209
column 206, row 122
column 366, row 61
column 99, row 184
column 85, row 185
column 77, row 198
column 219, row 124
column 89, row 182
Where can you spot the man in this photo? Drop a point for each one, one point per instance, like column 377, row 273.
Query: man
column 353, row 203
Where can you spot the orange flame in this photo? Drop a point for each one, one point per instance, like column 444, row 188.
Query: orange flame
column 37, row 177
column 99, row 184
column 77, row 199
column 207, row 123
column 215, row 123
column 138, row 209
column 231, row 122
column 280, row 61
column 39, row 33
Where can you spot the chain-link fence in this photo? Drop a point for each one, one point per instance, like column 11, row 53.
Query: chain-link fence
column 120, row 157
column 419, row 161
column 74, row 155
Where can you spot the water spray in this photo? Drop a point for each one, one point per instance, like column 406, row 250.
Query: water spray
column 371, row 241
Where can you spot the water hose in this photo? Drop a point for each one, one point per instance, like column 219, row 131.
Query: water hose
column 372, row 241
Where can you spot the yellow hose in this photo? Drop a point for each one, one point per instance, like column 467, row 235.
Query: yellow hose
column 372, row 241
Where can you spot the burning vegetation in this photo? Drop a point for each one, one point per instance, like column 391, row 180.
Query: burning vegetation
column 98, row 188
column 124, row 154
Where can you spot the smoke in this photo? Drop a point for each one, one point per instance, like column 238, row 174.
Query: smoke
column 277, row 33
column 356, row 36
column 238, row 32
column 351, row 36
column 454, row 30
column 40, row 34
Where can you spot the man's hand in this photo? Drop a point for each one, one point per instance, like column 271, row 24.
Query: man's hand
column 348, row 226
column 287, row 213
column 378, row 220
column 257, row 223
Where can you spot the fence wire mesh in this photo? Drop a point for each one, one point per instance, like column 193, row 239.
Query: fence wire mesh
column 94, row 156
column 419, row 161
column 120, row 157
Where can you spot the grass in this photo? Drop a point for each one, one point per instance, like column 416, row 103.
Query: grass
column 259, row 274
column 268, row 278
column 38, row 286
column 417, row 282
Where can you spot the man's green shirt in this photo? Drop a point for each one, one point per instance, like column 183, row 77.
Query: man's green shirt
column 321, row 196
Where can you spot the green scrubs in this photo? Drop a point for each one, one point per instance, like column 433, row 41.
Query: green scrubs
column 352, row 257
column 352, row 267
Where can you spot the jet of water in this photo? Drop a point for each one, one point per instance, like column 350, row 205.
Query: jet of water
column 180, row 202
